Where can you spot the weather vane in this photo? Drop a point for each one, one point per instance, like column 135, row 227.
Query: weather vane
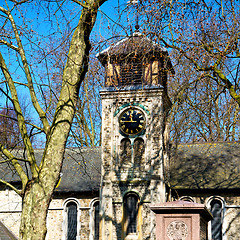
column 135, row 4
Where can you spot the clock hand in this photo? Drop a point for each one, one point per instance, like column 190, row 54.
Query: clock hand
column 131, row 118
column 127, row 121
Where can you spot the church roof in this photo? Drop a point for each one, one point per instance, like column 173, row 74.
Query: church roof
column 5, row 234
column 81, row 170
column 192, row 166
column 136, row 45
column 205, row 166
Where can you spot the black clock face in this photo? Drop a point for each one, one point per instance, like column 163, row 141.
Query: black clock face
column 132, row 121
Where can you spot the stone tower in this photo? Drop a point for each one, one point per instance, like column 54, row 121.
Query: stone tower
column 134, row 108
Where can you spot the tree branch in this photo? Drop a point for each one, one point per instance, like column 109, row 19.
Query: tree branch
column 11, row 186
column 14, row 158
column 81, row 3
column 30, row 124
column 16, row 165
column 21, row 120
column 35, row 102
column 9, row 45
column 214, row 68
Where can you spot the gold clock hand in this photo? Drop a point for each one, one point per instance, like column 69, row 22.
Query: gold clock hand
column 127, row 121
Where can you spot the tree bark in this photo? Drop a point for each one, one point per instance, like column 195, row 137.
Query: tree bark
column 35, row 205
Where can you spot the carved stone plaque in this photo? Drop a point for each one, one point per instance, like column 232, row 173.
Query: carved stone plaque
column 177, row 230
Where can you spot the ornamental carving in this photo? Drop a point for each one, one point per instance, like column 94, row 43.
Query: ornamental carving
column 177, row 230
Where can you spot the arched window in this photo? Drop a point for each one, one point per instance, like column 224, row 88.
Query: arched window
column 139, row 150
column 125, row 152
column 71, row 226
column 216, row 223
column 71, row 209
column 94, row 219
column 131, row 206
column 186, row 198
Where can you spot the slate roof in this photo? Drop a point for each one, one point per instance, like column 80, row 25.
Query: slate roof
column 192, row 166
column 205, row 166
column 5, row 234
column 81, row 171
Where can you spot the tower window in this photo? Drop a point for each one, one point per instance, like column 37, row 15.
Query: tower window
column 71, row 220
column 216, row 223
column 131, row 212
column 139, row 150
column 131, row 73
column 125, row 152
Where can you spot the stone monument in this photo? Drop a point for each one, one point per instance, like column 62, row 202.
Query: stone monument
column 181, row 220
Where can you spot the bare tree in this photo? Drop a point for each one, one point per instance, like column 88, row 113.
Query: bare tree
column 202, row 110
column 204, row 33
column 86, row 128
column 20, row 42
column 203, row 41
column 9, row 132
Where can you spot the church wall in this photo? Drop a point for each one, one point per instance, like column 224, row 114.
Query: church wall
column 55, row 220
column 230, row 209
column 10, row 210
column 10, row 214
column 232, row 222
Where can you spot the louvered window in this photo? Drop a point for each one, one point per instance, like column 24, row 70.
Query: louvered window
column 131, row 73
column 131, row 212
column 71, row 221
column 216, row 223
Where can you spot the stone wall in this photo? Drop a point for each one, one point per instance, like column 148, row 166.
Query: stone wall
column 10, row 215
column 230, row 211
column 147, row 180
column 10, row 210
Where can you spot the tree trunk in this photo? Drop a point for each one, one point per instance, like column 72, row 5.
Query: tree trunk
column 35, row 205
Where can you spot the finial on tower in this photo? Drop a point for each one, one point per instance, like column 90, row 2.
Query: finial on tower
column 135, row 4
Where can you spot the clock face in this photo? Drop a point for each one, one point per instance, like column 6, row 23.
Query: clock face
column 132, row 121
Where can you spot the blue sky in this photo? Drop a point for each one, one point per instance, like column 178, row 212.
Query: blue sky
column 37, row 26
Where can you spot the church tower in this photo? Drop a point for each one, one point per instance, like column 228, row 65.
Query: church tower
column 134, row 109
